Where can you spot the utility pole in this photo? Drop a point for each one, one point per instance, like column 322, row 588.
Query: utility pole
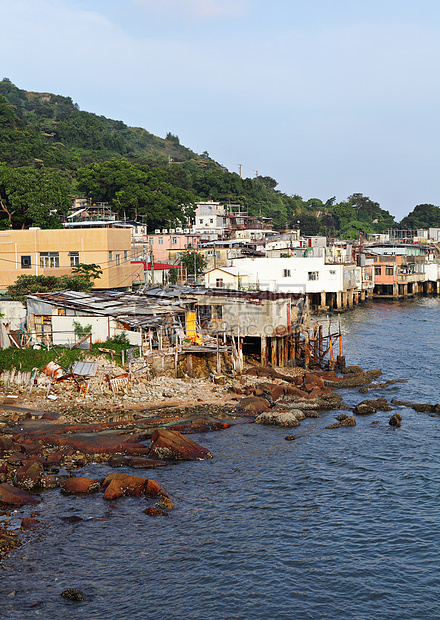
column 152, row 266
column 239, row 168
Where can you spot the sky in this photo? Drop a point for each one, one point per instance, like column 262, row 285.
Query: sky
column 329, row 97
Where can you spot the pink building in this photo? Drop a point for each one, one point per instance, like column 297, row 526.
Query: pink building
column 161, row 243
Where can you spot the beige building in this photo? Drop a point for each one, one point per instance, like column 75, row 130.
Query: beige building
column 55, row 252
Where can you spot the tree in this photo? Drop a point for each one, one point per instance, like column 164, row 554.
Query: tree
column 33, row 197
column 27, row 285
column 90, row 272
column 193, row 261
column 135, row 190
column 422, row 216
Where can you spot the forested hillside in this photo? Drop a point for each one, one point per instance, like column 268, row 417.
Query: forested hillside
column 50, row 151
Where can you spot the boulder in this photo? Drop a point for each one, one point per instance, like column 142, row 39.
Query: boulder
column 76, row 485
column 141, row 463
column 73, row 594
column 350, row 381
column 274, row 390
column 253, row 405
column 155, row 512
column 349, row 421
column 28, row 476
column 118, row 484
column 16, row 497
column 6, row 443
column 153, row 487
column 351, row 370
column 286, row 419
column 28, row 523
column 49, row 482
column 172, row 445
column 164, row 503
column 395, row 420
column 365, row 408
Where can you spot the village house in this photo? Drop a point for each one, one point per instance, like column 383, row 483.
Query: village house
column 328, row 285
column 164, row 241
column 55, row 252
column 399, row 275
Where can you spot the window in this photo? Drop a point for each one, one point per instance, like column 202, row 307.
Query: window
column 26, row 262
column 286, row 273
column 219, row 282
column 49, row 260
column 388, row 271
column 377, row 271
column 211, row 221
column 313, row 275
column 160, row 241
column 125, row 254
column 118, row 259
column 173, row 240
column 110, row 255
column 201, row 221
column 219, row 312
column 151, row 240
column 73, row 258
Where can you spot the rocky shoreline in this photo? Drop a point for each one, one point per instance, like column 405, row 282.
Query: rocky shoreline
column 45, row 443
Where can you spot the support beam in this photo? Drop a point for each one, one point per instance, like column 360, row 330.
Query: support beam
column 263, row 349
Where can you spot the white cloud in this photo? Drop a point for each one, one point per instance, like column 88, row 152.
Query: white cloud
column 198, row 9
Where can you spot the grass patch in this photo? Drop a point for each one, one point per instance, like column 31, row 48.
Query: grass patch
column 28, row 359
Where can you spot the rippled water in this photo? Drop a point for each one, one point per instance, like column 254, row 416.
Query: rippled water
column 338, row 524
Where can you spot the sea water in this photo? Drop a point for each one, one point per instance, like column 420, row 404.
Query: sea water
column 337, row 524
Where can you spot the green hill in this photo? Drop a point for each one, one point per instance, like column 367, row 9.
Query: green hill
column 50, row 150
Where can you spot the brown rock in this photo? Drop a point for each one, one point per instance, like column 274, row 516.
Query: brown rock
column 29, row 475
column 113, row 490
column 6, row 443
column 140, row 463
column 314, row 380
column 118, row 484
column 155, row 512
column 164, row 503
column 55, row 458
column 348, row 421
column 28, row 523
column 16, row 458
column 49, row 482
column 253, row 405
column 395, row 420
column 153, row 487
column 16, row 497
column 79, row 485
column 173, row 445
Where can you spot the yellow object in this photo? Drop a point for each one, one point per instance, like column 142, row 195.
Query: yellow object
column 190, row 324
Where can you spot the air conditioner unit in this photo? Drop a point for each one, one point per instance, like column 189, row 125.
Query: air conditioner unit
column 172, row 231
column 187, row 231
column 164, row 231
column 157, row 231
column 179, row 230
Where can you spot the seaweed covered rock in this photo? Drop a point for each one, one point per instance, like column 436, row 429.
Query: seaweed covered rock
column 286, row 419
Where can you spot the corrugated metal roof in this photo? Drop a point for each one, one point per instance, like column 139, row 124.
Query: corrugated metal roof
column 85, row 369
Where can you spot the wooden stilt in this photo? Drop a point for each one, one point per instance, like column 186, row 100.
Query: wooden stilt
column 263, row 345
